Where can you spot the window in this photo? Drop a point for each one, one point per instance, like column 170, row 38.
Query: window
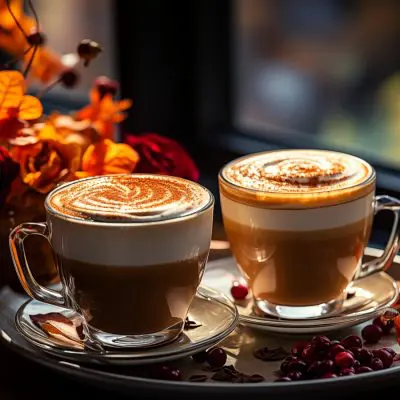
column 324, row 73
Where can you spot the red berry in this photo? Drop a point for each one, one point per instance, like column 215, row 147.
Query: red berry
column 286, row 362
column 167, row 373
column 364, row 356
column 298, row 348
column 239, row 291
column 363, row 370
column 344, row 360
column 376, row 364
column 335, row 349
column 390, row 351
column 372, row 333
column 297, row 365
column 347, row 371
column 327, row 366
column 283, row 379
column 386, row 325
column 384, row 356
column 295, row 375
column 309, row 354
column 321, row 342
column 315, row 370
column 351, row 341
column 216, row 357
column 328, row 375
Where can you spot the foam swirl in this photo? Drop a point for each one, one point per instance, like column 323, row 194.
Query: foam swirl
column 129, row 198
column 297, row 171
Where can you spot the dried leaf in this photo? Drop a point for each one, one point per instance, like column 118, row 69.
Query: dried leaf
column 266, row 354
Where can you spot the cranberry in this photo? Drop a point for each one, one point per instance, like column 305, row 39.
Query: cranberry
column 297, row 365
column 335, row 349
column 363, row 370
column 167, row 373
column 327, row 366
column 283, row 379
column 347, row 371
column 239, row 291
column 286, row 362
column 36, row 38
column 309, row 354
column 344, row 360
column 376, row 364
column 328, row 375
column 351, row 341
column 321, row 342
column 200, row 357
column 316, row 369
column 365, row 357
column 390, row 351
column 69, row 78
column 216, row 357
column 385, row 324
column 298, row 348
column 372, row 333
column 295, row 375
column 356, row 364
column 355, row 351
column 384, row 356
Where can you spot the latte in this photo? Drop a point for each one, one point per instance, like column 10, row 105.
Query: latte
column 298, row 222
column 131, row 249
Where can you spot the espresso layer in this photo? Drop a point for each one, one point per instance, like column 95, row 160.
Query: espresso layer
column 135, row 300
column 129, row 198
column 298, row 220
column 296, row 178
column 129, row 245
column 298, row 269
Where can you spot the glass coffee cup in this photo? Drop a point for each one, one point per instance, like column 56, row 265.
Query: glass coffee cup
column 298, row 222
column 130, row 252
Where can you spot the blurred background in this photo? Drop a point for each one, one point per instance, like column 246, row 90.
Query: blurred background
column 230, row 77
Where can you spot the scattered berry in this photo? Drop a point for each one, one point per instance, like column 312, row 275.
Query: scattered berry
column 295, row 375
column 344, row 360
column 376, row 364
column 239, row 291
column 385, row 324
column 384, row 356
column 363, row 370
column 321, row 342
column 351, row 341
column 216, row 357
column 372, row 333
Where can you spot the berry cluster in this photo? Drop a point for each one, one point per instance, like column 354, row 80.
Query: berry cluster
column 322, row 358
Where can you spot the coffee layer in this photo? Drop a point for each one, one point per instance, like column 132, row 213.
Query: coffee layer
column 129, row 198
column 298, row 220
column 296, row 178
column 132, row 245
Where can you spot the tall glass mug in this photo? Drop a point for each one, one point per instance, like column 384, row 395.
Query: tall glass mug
column 298, row 222
column 130, row 251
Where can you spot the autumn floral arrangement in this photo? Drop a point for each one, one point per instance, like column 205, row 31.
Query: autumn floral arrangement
column 37, row 151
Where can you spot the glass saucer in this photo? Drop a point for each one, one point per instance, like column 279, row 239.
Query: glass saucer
column 370, row 296
column 55, row 330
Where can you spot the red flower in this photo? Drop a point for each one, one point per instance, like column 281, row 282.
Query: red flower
column 162, row 155
column 8, row 172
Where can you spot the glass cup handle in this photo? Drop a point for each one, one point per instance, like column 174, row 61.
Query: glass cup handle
column 28, row 282
column 383, row 262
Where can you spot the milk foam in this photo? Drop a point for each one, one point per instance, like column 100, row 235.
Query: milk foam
column 298, row 220
column 297, row 171
column 129, row 198
column 130, row 245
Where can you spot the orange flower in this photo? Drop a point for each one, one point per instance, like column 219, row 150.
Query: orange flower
column 104, row 112
column 107, row 157
column 45, row 159
column 14, row 105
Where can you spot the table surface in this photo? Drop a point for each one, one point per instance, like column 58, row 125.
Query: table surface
column 21, row 378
